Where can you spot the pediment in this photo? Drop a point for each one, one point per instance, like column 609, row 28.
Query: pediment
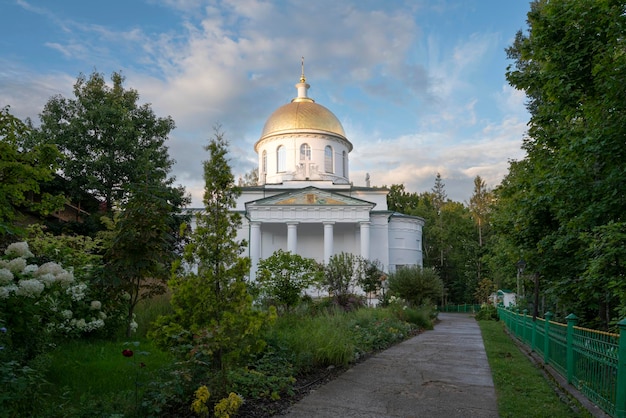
column 310, row 196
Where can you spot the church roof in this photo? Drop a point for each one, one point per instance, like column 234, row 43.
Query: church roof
column 303, row 115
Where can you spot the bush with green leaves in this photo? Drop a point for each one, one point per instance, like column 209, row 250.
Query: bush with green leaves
column 416, row 285
column 283, row 277
column 487, row 312
column 422, row 316
column 342, row 273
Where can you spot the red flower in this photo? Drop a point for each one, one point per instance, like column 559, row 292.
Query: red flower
column 127, row 353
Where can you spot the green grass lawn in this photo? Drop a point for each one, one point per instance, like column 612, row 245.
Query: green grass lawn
column 88, row 376
column 522, row 389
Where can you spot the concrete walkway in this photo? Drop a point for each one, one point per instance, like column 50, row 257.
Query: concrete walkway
column 439, row 373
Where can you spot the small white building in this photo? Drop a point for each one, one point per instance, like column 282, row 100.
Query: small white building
column 504, row 297
column 305, row 203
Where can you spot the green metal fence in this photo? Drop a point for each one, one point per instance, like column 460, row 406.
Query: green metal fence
column 593, row 361
column 459, row 308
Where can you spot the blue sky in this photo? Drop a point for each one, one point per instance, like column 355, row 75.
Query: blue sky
column 419, row 85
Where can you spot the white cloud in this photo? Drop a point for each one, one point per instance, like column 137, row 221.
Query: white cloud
column 407, row 99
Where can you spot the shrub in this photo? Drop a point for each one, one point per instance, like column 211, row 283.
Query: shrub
column 416, row 285
column 422, row 316
column 487, row 312
column 39, row 304
column 283, row 277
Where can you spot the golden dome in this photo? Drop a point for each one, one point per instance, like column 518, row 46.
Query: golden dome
column 302, row 114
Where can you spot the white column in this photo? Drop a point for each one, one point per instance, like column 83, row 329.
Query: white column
column 328, row 241
column 292, row 237
column 255, row 248
column 365, row 240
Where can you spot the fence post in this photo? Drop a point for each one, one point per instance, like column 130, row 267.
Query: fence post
column 572, row 320
column 546, row 341
column 620, row 387
column 533, row 335
column 525, row 317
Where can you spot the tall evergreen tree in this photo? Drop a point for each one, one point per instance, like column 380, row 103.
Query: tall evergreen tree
column 480, row 206
column 210, row 294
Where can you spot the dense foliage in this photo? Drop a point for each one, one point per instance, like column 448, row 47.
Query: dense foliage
column 107, row 139
column 454, row 236
column 283, row 277
column 562, row 206
column 416, row 285
column 144, row 241
column 24, row 165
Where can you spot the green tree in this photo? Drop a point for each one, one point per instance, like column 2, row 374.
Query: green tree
column 484, row 290
column 450, row 241
column 106, row 137
column 24, row 166
column 399, row 200
column 210, row 295
column 283, row 277
column 606, row 270
column 480, row 206
column 570, row 63
column 144, row 241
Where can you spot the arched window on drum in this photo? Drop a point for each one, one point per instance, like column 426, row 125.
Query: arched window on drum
column 305, row 152
column 281, row 159
column 328, row 159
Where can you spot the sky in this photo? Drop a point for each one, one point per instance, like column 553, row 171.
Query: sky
column 418, row 85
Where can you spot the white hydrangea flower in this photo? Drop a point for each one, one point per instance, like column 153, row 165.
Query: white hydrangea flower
column 77, row 292
column 6, row 276
column 94, row 325
column 18, row 249
column 49, row 267
column 17, row 265
column 133, row 326
column 95, row 305
column 81, row 324
column 3, row 264
column 5, row 291
column 30, row 269
column 102, row 315
column 30, row 288
column 67, row 314
column 47, row 279
column 65, row 278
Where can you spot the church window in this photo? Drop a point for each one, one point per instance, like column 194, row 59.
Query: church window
column 281, row 159
column 345, row 164
column 328, row 159
column 264, row 162
column 305, row 152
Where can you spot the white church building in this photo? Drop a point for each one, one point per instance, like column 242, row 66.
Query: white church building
column 305, row 203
